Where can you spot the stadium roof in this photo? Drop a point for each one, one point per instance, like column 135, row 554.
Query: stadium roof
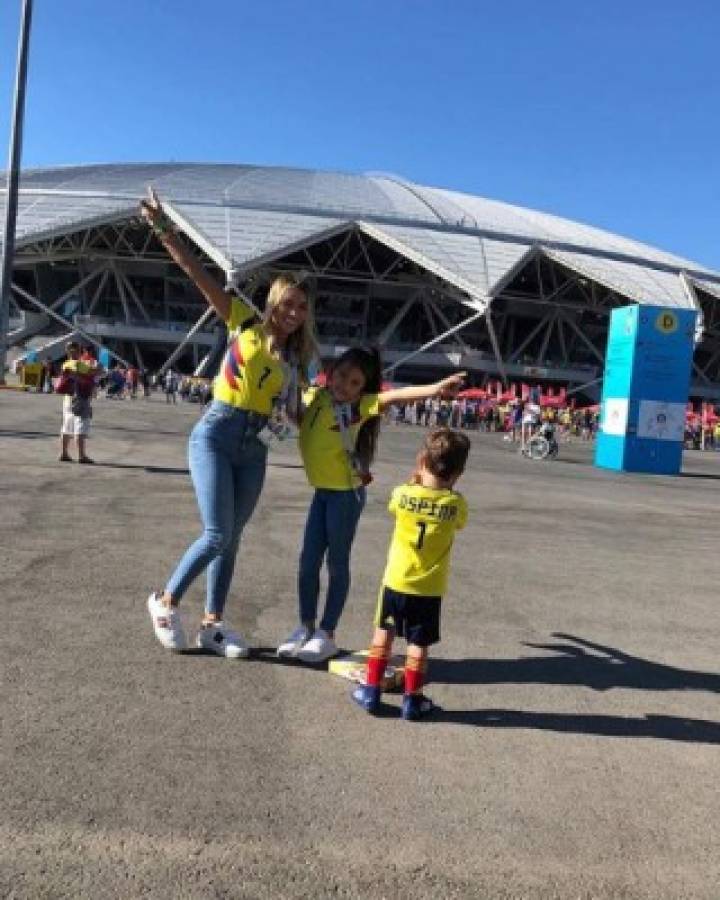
column 246, row 216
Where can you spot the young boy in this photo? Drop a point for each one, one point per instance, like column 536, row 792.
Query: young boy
column 427, row 513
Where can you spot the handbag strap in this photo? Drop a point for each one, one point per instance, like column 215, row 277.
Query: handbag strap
column 343, row 417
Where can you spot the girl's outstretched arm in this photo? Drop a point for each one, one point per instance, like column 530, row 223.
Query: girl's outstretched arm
column 446, row 387
column 214, row 293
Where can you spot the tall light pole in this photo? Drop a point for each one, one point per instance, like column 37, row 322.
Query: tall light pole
column 11, row 200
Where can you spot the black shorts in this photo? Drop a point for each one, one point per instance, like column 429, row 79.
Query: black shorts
column 412, row 616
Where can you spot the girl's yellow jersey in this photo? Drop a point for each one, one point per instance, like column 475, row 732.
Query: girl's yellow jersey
column 321, row 443
column 426, row 520
column 250, row 376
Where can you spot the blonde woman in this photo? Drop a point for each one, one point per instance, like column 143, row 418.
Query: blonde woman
column 265, row 364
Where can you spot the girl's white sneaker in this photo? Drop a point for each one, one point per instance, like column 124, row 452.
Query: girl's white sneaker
column 167, row 624
column 218, row 638
column 319, row 648
column 295, row 643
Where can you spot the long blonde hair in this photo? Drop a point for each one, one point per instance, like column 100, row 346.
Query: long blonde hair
column 302, row 342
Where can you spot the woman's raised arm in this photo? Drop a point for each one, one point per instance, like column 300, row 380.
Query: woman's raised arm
column 213, row 292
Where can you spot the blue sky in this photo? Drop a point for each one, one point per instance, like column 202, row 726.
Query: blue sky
column 606, row 113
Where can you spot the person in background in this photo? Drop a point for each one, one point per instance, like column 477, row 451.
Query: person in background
column 77, row 410
column 170, row 384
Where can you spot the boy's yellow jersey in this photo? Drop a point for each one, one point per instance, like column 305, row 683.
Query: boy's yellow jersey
column 321, row 443
column 250, row 376
column 426, row 520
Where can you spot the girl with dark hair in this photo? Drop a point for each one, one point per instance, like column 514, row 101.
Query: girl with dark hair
column 338, row 438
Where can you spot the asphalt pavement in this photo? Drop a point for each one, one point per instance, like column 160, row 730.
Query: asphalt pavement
column 575, row 754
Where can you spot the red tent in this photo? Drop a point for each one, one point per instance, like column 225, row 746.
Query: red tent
column 710, row 418
column 474, row 393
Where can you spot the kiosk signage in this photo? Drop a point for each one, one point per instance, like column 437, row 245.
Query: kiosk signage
column 645, row 389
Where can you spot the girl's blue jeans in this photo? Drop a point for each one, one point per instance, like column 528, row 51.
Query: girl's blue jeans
column 227, row 465
column 330, row 529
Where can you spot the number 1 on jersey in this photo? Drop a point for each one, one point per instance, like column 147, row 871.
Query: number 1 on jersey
column 421, row 535
column 266, row 371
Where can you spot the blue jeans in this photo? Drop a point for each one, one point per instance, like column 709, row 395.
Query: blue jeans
column 227, row 465
column 330, row 528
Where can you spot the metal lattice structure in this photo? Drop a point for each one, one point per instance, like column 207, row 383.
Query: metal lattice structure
column 438, row 278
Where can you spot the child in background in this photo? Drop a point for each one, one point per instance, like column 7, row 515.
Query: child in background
column 427, row 513
column 338, row 436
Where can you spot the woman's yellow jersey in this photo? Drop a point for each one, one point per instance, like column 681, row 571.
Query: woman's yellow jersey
column 426, row 520
column 250, row 376
column 321, row 443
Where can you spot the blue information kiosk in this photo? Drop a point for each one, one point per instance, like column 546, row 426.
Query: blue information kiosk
column 645, row 389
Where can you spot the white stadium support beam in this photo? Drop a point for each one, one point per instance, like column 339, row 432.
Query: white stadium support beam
column 392, row 325
column 546, row 339
column 433, row 342
column 586, row 340
column 495, row 345
column 530, row 338
column 57, row 301
column 69, row 325
column 203, row 320
column 121, row 293
column 98, row 290
column 131, row 290
column 443, row 318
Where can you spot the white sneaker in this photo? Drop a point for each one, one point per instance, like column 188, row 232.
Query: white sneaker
column 319, row 648
column 295, row 643
column 167, row 624
column 218, row 638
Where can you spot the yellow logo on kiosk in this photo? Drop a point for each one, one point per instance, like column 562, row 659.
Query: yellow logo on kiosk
column 666, row 322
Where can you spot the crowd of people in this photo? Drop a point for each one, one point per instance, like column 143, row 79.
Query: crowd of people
column 508, row 417
column 121, row 382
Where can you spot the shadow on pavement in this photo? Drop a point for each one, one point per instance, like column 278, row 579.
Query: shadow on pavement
column 147, row 430
column 11, row 433
column 269, row 655
column 668, row 728
column 153, row 470
column 706, row 475
column 571, row 663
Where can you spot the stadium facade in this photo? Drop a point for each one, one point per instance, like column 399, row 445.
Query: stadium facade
column 438, row 279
